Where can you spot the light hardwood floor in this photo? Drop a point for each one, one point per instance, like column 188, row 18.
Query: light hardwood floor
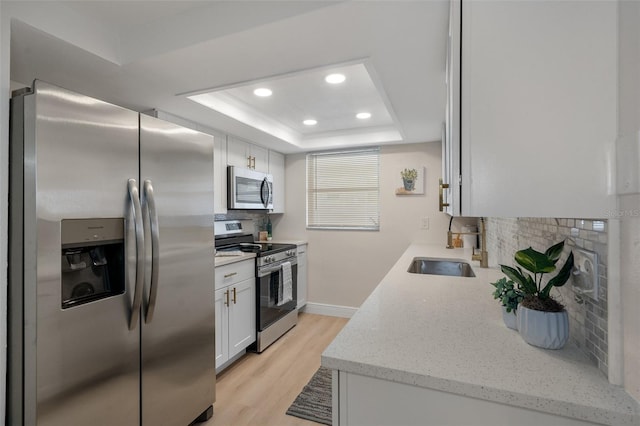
column 259, row 388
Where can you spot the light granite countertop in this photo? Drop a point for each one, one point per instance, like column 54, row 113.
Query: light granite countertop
column 226, row 260
column 447, row 334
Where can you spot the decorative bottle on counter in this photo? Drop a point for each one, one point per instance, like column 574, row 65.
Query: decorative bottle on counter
column 269, row 236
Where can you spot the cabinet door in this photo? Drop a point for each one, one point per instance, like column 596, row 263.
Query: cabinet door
column 259, row 158
column 539, row 101
column 302, row 276
column 222, row 327
column 276, row 168
column 242, row 316
column 237, row 152
column 220, row 175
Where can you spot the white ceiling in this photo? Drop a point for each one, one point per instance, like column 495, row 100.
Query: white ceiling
column 148, row 54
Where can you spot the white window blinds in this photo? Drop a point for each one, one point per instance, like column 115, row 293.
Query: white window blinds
column 343, row 190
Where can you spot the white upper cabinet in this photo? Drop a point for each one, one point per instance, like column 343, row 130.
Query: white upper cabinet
column 538, row 102
column 220, row 175
column 276, row 169
column 247, row 155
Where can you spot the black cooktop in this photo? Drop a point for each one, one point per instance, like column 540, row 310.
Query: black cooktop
column 246, row 243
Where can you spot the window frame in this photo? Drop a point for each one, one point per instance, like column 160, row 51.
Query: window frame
column 374, row 227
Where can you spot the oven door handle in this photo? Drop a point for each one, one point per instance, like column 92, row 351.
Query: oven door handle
column 267, row 270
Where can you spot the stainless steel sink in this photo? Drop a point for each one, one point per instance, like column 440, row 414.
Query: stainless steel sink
column 435, row 266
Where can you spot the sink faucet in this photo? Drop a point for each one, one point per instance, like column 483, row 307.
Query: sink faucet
column 483, row 256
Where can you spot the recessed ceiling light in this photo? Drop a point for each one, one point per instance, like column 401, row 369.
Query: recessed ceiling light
column 363, row 115
column 335, row 78
column 309, row 122
column 263, row 92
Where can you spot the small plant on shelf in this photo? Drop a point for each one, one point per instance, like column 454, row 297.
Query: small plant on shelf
column 409, row 177
column 409, row 174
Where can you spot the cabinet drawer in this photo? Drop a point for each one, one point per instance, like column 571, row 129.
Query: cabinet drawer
column 234, row 273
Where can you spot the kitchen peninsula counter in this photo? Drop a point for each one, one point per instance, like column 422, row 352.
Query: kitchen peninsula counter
column 446, row 334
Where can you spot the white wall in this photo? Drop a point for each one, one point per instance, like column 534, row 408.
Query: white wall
column 629, row 202
column 345, row 266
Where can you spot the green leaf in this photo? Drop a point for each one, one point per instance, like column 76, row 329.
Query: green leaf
column 554, row 252
column 517, row 277
column 534, row 261
column 532, row 287
column 562, row 277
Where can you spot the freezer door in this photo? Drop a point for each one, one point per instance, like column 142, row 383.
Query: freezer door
column 81, row 363
column 178, row 355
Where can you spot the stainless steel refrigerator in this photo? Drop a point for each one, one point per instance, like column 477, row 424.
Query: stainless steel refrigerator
column 111, row 292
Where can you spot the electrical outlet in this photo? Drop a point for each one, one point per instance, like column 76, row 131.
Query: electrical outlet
column 585, row 273
column 424, row 223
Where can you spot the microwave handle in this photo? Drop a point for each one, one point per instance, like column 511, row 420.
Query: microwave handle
column 265, row 192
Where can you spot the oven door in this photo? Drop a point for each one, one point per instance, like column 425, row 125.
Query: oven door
column 271, row 306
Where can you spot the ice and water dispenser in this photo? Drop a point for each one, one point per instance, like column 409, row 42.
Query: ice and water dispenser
column 92, row 260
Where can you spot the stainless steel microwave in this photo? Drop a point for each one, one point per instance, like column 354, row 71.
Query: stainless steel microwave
column 249, row 189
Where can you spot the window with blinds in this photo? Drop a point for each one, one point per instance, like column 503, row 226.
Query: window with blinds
column 343, row 190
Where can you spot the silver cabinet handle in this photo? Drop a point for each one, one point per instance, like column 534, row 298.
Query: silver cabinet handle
column 134, row 196
column 155, row 249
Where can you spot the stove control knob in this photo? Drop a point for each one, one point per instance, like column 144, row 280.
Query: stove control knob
column 268, row 259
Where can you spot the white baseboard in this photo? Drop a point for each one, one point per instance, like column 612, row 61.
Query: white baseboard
column 329, row 310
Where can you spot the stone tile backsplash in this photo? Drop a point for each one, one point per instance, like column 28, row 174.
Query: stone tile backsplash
column 588, row 318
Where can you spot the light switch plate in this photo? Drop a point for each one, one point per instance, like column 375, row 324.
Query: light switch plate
column 585, row 273
column 424, row 223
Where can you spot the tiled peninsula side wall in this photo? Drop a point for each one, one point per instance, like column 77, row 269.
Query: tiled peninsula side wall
column 588, row 318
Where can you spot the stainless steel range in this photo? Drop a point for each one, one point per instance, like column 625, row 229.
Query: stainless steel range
column 276, row 281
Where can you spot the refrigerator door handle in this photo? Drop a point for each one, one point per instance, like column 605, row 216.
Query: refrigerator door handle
column 137, row 215
column 155, row 249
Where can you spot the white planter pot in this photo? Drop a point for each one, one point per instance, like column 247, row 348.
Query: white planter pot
column 548, row 330
column 510, row 319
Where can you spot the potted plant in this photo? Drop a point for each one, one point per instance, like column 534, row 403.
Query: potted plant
column 509, row 297
column 542, row 321
column 409, row 177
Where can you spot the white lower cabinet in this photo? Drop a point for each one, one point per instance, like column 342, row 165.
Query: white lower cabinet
column 235, row 304
column 364, row 400
column 302, row 275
